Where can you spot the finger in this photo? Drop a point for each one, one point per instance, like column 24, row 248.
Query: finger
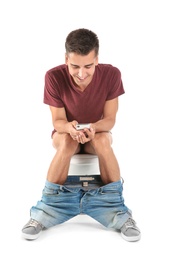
column 81, row 138
column 89, row 133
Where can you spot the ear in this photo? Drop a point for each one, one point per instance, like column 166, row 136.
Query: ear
column 66, row 58
column 96, row 61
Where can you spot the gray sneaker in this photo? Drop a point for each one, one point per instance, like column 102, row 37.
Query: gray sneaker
column 32, row 229
column 130, row 231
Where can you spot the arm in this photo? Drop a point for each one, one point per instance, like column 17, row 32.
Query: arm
column 103, row 125
column 59, row 120
column 61, row 124
column 109, row 116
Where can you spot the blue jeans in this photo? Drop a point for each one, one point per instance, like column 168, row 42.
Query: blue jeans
column 104, row 203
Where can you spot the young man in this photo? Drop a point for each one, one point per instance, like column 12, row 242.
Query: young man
column 82, row 91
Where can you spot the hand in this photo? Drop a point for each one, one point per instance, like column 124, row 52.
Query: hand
column 72, row 129
column 85, row 135
column 82, row 136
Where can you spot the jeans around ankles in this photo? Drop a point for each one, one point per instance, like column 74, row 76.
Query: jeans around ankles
column 59, row 203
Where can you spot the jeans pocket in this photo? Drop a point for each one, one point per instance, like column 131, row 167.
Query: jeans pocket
column 111, row 188
column 50, row 191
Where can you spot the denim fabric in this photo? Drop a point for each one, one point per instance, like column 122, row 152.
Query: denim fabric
column 104, row 203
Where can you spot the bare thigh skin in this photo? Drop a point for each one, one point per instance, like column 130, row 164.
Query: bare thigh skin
column 66, row 147
column 101, row 146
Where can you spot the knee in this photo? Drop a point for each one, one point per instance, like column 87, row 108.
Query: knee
column 64, row 142
column 102, row 140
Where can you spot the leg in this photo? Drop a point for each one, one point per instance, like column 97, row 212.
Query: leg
column 65, row 147
column 106, row 205
column 57, row 205
column 101, row 145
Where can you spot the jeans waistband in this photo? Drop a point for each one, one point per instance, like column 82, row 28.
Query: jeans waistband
column 84, row 180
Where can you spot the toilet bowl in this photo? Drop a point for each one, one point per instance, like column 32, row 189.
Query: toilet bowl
column 84, row 164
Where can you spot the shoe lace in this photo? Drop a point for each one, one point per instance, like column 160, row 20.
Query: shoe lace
column 130, row 223
column 33, row 223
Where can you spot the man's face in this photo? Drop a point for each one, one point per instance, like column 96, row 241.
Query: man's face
column 81, row 68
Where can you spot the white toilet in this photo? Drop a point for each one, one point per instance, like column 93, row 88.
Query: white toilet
column 84, row 164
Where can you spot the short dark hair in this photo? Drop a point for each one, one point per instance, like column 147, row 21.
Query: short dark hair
column 82, row 41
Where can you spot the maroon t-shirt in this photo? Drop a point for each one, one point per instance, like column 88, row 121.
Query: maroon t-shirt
column 86, row 106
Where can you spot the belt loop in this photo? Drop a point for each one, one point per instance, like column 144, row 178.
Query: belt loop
column 61, row 188
column 100, row 190
column 122, row 180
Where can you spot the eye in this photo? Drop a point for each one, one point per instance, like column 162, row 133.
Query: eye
column 75, row 67
column 88, row 67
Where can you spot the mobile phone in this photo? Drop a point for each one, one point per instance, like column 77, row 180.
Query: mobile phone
column 82, row 126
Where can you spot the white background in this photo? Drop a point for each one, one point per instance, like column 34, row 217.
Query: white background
column 136, row 37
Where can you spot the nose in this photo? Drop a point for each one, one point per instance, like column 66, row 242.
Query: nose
column 81, row 73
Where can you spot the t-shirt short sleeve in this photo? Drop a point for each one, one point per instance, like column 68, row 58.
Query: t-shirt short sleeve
column 116, row 85
column 52, row 96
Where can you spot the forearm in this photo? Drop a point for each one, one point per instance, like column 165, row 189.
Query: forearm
column 105, row 124
column 63, row 126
